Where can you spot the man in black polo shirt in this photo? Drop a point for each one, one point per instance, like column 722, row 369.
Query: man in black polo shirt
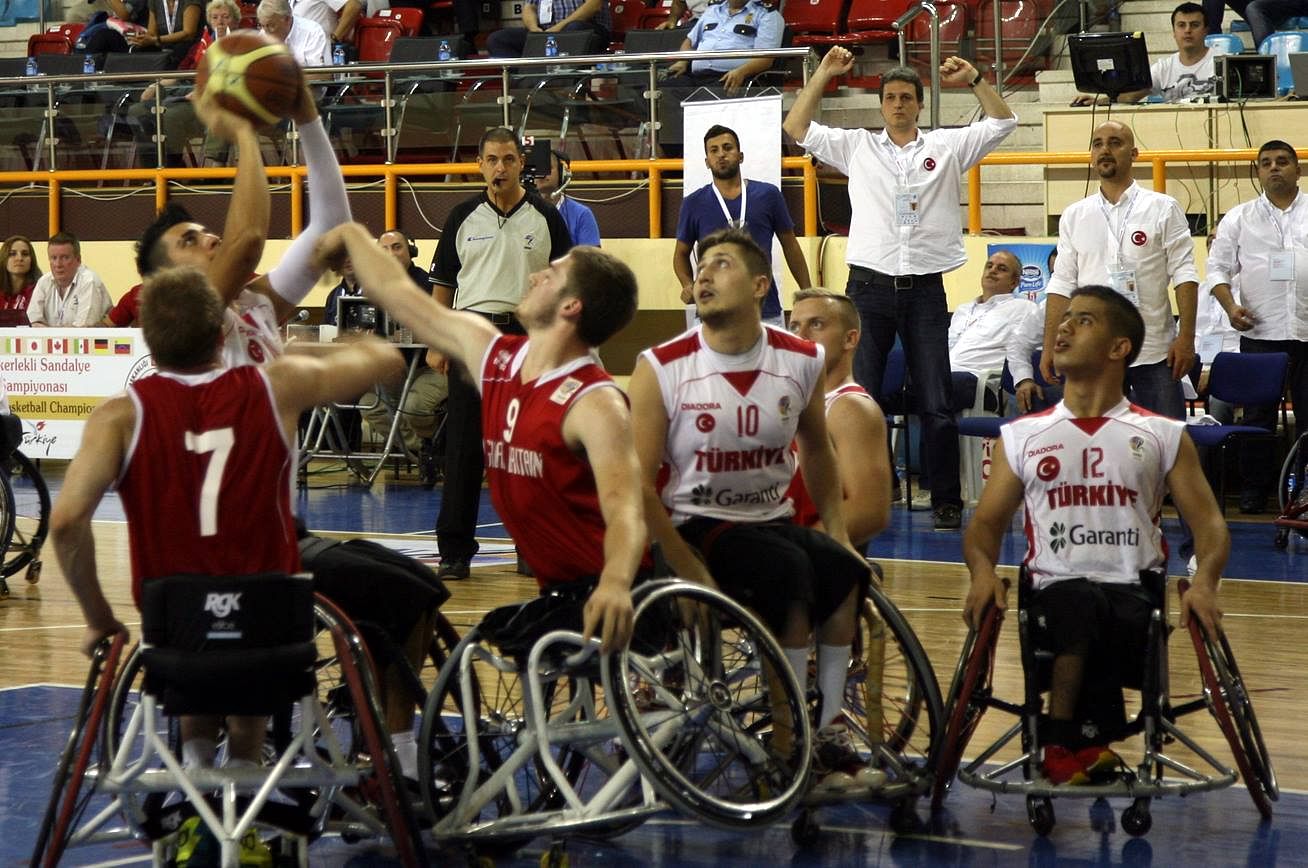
column 491, row 243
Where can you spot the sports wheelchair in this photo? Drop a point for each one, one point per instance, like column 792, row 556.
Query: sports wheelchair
column 529, row 731
column 24, row 508
column 233, row 645
column 1292, row 495
column 1159, row 772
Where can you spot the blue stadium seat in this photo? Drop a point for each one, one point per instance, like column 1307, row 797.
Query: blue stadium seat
column 1281, row 45
column 1225, row 43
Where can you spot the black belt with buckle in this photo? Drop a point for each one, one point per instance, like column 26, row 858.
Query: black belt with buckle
column 895, row 281
column 499, row 319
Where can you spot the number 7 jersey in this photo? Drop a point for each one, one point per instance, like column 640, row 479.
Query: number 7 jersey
column 206, row 481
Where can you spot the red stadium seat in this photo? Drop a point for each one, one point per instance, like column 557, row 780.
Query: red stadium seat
column 70, row 29
column 953, row 27
column 1021, row 24
column 656, row 15
column 48, row 43
column 811, row 20
column 410, row 19
column 249, row 16
column 373, row 38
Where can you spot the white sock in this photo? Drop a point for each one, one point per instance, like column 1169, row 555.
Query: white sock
column 833, row 672
column 798, row 660
column 406, row 751
column 197, row 753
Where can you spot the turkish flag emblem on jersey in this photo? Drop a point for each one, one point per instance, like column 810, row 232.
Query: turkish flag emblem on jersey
column 1139, row 239
column 929, row 164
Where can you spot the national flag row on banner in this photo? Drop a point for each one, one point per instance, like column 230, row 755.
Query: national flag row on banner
column 69, row 346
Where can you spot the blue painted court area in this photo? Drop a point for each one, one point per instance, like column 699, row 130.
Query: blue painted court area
column 1219, row 828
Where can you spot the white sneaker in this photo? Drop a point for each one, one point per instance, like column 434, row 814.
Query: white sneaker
column 1192, row 565
column 837, row 765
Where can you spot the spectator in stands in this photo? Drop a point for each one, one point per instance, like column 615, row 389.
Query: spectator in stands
column 731, row 200
column 728, row 26
column 335, row 17
column 221, row 17
column 582, row 225
column 21, row 273
column 349, row 286
column 554, row 16
column 102, row 37
column 307, row 41
column 980, row 330
column 678, row 11
column 1188, row 73
column 1261, row 241
column 173, row 27
column 905, row 233
column 1264, row 16
column 402, row 247
column 71, row 295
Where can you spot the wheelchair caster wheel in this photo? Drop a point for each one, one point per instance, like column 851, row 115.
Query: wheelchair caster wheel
column 1136, row 820
column 555, row 857
column 805, row 830
column 1040, row 813
column 33, row 574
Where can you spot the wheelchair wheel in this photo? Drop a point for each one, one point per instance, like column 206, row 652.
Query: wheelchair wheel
column 711, row 709
column 498, row 712
column 26, row 519
column 969, row 693
column 1229, row 700
column 891, row 698
column 1285, row 497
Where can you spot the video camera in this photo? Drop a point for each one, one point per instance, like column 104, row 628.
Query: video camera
column 535, row 160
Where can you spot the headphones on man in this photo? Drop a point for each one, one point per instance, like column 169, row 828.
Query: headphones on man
column 413, row 248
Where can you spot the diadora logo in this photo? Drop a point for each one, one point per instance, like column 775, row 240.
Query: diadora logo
column 701, row 495
column 222, row 605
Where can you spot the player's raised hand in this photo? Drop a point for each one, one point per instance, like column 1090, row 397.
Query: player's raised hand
column 331, row 251
column 224, row 124
column 956, row 70
column 837, row 61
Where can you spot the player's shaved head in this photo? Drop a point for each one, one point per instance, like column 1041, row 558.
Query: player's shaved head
column 181, row 318
column 1115, row 128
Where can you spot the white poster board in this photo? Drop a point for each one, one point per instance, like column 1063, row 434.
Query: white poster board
column 55, row 377
column 756, row 121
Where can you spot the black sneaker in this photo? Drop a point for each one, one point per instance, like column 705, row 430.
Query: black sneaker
column 455, row 570
column 948, row 517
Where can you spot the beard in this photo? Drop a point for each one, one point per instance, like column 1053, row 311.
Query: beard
column 727, row 174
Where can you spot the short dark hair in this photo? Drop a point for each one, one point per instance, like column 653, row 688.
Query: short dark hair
column 1186, row 9
column 606, row 287
column 498, row 134
column 1276, row 145
column 181, row 318
column 150, row 256
column 755, row 259
column 1124, row 320
column 719, row 130
column 901, row 73
column 66, row 238
column 848, row 312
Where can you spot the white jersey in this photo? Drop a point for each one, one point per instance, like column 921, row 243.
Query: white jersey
column 250, row 333
column 1094, row 491
column 730, row 422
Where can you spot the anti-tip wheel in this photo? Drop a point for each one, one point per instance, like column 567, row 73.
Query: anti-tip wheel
column 1040, row 813
column 1136, row 820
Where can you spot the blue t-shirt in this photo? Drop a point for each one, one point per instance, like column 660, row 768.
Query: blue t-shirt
column 765, row 216
column 581, row 222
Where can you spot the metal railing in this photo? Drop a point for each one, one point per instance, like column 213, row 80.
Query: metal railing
column 924, row 7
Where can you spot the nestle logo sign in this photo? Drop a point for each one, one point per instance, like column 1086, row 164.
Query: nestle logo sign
column 222, row 605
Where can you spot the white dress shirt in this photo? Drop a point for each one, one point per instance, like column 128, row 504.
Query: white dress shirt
column 308, row 44
column 978, row 332
column 1213, row 332
column 1027, row 336
column 1248, row 237
column 1146, row 232
column 324, row 13
column 83, row 306
column 928, row 168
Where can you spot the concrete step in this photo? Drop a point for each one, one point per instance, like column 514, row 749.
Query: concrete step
column 995, row 192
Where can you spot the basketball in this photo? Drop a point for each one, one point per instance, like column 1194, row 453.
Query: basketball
column 252, row 75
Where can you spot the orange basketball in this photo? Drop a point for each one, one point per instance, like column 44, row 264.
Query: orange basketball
column 251, row 74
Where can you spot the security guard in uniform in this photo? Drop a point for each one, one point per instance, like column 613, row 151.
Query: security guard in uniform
column 731, row 25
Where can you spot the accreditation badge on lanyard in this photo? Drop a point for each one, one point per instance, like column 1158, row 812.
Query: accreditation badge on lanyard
column 1121, row 276
column 906, row 210
column 734, row 223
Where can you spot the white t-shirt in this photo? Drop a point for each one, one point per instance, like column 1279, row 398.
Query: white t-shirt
column 978, row 333
column 1174, row 81
column 1093, row 490
column 250, row 333
column 731, row 419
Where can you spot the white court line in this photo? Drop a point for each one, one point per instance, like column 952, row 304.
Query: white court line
column 929, row 609
column 57, row 627
column 130, row 860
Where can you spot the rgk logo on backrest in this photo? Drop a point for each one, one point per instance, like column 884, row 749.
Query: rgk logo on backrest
column 222, row 605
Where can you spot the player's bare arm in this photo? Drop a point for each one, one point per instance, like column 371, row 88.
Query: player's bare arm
column 300, row 381
column 1212, row 541
column 857, row 426
column 246, row 228
column 92, row 470
column 599, row 425
column 817, row 461
column 650, row 435
column 1000, row 498
column 460, row 335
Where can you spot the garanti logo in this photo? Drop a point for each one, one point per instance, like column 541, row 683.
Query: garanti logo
column 701, row 495
column 1058, row 536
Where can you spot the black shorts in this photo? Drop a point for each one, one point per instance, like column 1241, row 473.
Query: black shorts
column 770, row 566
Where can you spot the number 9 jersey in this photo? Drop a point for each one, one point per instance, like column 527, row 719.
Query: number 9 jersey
column 731, row 419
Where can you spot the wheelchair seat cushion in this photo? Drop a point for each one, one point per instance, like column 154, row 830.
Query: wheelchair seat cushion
column 246, row 681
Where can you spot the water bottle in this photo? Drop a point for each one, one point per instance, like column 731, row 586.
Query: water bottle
column 443, row 50
column 31, row 67
column 1292, row 495
column 338, row 55
column 88, row 65
column 551, row 46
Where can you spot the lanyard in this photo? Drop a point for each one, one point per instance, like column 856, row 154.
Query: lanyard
column 1275, row 215
column 60, row 302
column 744, row 202
column 170, row 15
column 1121, row 226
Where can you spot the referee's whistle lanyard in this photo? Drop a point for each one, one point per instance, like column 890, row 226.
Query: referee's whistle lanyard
column 744, row 203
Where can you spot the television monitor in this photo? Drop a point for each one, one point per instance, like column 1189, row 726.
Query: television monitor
column 1110, row 63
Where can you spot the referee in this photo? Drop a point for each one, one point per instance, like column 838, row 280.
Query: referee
column 490, row 245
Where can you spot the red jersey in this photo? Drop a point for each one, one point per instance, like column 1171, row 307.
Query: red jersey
column 128, row 309
column 19, row 300
column 543, row 491
column 806, row 512
column 207, row 479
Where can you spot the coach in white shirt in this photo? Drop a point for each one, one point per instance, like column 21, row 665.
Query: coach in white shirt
column 304, row 38
column 1137, row 242
column 70, row 294
column 1191, row 72
column 979, row 330
column 1265, row 242
column 905, row 232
